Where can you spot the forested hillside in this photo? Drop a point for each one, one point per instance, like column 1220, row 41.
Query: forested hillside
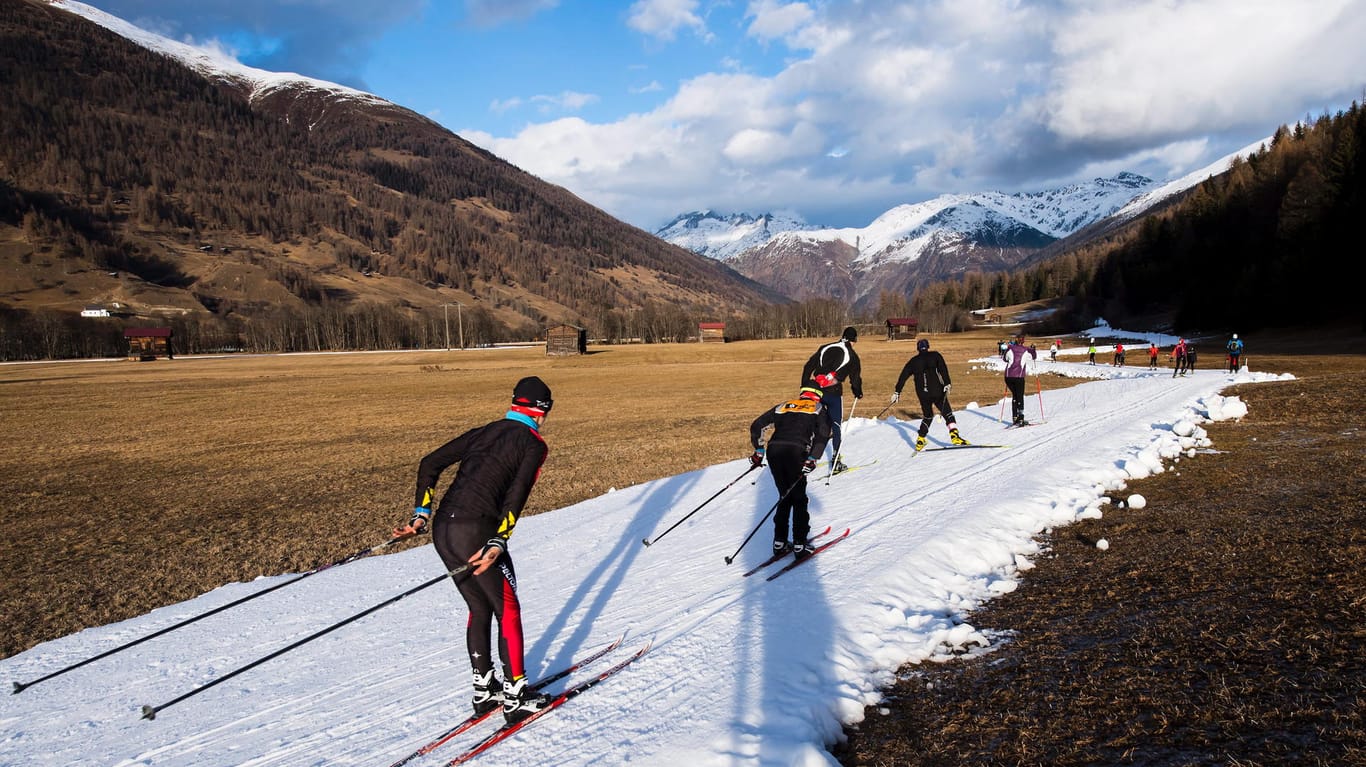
column 272, row 220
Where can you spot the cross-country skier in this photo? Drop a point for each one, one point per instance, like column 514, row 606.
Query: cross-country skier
column 1119, row 355
column 1019, row 361
column 800, row 431
column 932, row 384
column 1190, row 357
column 499, row 463
column 828, row 368
column 1091, row 352
column 1235, row 353
column 1152, row 355
column 1179, row 355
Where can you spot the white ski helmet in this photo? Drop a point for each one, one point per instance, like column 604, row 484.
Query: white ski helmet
column 1235, row 336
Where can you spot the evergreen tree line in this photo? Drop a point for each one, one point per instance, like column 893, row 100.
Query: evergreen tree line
column 1272, row 242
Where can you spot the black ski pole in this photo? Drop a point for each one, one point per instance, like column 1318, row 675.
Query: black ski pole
column 21, row 686
column 781, row 498
column 150, row 712
column 648, row 542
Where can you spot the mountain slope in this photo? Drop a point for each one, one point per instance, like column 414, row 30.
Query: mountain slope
column 237, row 198
column 908, row 244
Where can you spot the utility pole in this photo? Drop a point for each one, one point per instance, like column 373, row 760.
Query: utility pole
column 459, row 318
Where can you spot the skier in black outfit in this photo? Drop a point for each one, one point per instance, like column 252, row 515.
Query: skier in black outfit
column 499, row 463
column 932, row 384
column 800, row 431
column 828, row 368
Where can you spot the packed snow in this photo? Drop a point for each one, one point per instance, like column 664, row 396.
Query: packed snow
column 742, row 670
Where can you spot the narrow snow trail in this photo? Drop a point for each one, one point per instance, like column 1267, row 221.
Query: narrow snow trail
column 743, row 670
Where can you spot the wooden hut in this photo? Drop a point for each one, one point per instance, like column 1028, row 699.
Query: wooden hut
column 148, row 343
column 901, row 328
column 562, row 340
column 711, row 331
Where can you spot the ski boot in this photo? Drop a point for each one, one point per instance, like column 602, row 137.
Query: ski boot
column 838, row 467
column 488, row 692
column 781, row 548
column 803, row 550
column 919, row 444
column 520, row 701
column 956, row 438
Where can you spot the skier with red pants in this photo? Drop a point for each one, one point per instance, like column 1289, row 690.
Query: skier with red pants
column 800, row 431
column 499, row 463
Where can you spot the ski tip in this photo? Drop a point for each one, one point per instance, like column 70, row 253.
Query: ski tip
column 149, row 713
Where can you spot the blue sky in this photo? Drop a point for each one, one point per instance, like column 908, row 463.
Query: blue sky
column 834, row 111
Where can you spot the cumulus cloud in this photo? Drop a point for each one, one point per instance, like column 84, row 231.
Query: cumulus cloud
column 773, row 19
column 665, row 18
column 884, row 102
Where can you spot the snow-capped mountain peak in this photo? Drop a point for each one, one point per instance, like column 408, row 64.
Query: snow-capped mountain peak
column 723, row 236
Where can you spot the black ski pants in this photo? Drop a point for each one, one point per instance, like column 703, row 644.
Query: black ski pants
column 927, row 407
column 785, row 461
column 1017, row 394
column 488, row 596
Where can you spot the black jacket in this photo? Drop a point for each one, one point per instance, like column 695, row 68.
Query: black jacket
column 839, row 359
column 499, row 462
column 930, row 372
column 800, row 422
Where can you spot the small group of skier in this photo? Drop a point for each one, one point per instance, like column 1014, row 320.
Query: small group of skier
column 501, row 461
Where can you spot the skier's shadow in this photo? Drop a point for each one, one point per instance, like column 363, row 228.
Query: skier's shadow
column 790, row 653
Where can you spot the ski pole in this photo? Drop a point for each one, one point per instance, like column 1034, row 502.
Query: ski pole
column 19, row 687
column 752, row 467
column 150, row 712
column 1002, row 416
column 836, row 462
column 781, row 498
column 1039, row 380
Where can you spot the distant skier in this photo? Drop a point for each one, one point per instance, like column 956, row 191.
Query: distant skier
column 1091, row 352
column 1190, row 357
column 828, row 368
column 1179, row 356
column 1019, row 361
column 1152, row 355
column 1053, row 350
column 1235, row 353
column 932, row 384
column 1119, row 355
column 1001, row 348
column 800, row 431
column 499, row 463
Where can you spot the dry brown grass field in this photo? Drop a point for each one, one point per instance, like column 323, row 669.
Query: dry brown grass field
column 130, row 485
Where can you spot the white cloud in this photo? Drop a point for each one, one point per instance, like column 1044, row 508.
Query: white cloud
column 774, row 20
column 664, row 18
column 885, row 102
column 566, row 101
column 1154, row 69
column 652, row 87
column 499, row 106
